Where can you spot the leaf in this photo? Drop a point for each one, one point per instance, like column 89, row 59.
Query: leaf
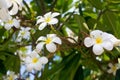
column 117, row 77
column 96, row 3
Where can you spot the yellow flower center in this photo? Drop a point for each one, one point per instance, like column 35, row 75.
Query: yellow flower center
column 11, row 78
column 34, row 60
column 10, row 21
column 99, row 40
column 48, row 19
column 48, row 40
column 114, row 68
column 23, row 33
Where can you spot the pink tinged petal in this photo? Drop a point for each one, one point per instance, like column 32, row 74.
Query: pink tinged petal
column 57, row 40
column 42, row 38
column 42, row 26
column 51, row 47
column 44, row 60
column 14, row 9
column 88, row 42
column 98, row 50
column 108, row 45
column 40, row 46
column 55, row 14
column 53, row 21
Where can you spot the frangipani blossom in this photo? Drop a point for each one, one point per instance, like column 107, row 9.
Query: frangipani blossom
column 50, row 42
column 15, row 6
column 23, row 34
column 100, row 41
column 11, row 22
column 35, row 62
column 47, row 19
column 113, row 68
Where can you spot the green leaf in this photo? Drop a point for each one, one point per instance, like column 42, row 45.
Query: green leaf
column 117, row 77
column 96, row 3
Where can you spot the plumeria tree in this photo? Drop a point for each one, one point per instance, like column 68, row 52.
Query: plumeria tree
column 59, row 40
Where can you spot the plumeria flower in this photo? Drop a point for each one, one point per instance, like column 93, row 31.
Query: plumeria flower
column 10, row 76
column 99, row 40
column 15, row 6
column 113, row 68
column 23, row 34
column 50, row 42
column 47, row 19
column 35, row 62
column 11, row 22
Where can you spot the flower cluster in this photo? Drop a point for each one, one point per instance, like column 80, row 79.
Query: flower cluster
column 100, row 41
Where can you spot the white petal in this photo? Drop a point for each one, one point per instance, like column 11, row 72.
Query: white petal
column 28, row 60
column 57, row 40
column 38, row 66
column 3, row 4
column 40, row 46
column 51, row 47
column 8, row 26
column 98, row 50
column 42, row 26
column 14, row 9
column 108, row 45
column 40, row 20
column 110, row 65
column 29, row 67
column 16, row 23
column 88, row 42
column 51, row 36
column 47, row 15
column 109, row 71
column 55, row 14
column 96, row 33
column 53, row 21
column 44, row 60
column 42, row 38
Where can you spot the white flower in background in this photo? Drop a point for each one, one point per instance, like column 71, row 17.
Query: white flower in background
column 11, row 22
column 50, row 42
column 47, row 19
column 113, row 68
column 23, row 34
column 35, row 62
column 99, row 40
column 15, row 6
column 10, row 76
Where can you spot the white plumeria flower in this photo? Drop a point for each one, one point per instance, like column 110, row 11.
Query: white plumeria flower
column 49, row 42
column 11, row 22
column 100, row 41
column 24, row 33
column 47, row 19
column 15, row 6
column 10, row 76
column 3, row 4
column 35, row 62
column 113, row 68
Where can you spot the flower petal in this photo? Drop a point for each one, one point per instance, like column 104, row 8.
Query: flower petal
column 55, row 14
column 40, row 46
column 14, row 9
column 51, row 47
column 8, row 26
column 44, row 60
column 107, row 45
column 88, row 42
column 29, row 67
column 98, row 50
column 53, row 21
column 42, row 38
column 16, row 23
column 57, row 40
column 40, row 20
column 47, row 15
column 42, row 26
column 38, row 66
